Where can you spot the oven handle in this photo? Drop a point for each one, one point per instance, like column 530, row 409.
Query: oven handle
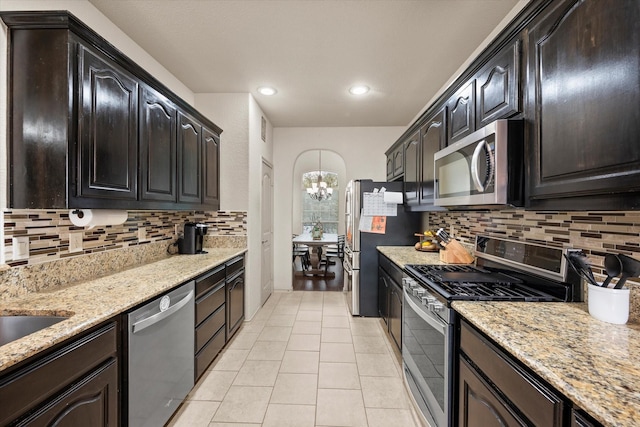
column 425, row 315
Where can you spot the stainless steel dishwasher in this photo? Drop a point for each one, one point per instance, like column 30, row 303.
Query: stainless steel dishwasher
column 160, row 356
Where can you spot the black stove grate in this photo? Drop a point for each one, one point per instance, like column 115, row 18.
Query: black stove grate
column 464, row 282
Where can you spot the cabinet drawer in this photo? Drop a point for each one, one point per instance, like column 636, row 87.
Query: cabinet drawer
column 208, row 328
column 209, row 280
column 392, row 269
column 541, row 406
column 209, row 303
column 209, row 352
column 30, row 386
column 234, row 265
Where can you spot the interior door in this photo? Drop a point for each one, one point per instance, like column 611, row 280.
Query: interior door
column 267, row 232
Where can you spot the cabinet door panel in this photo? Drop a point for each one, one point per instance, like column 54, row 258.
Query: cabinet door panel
column 478, row 405
column 235, row 304
column 108, row 130
column 433, row 136
column 189, row 156
column 383, row 295
column 390, row 167
column 398, row 162
column 462, row 113
column 411, row 169
column 91, row 402
column 157, row 147
column 211, row 168
column 584, row 66
column 395, row 314
column 497, row 86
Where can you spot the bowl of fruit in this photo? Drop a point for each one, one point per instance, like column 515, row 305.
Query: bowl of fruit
column 427, row 242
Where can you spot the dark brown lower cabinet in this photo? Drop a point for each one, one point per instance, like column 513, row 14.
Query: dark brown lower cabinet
column 75, row 384
column 235, row 302
column 210, row 318
column 395, row 314
column 219, row 310
column 390, row 298
column 494, row 390
column 479, row 404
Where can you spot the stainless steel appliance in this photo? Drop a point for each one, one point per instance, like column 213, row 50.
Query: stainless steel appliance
column 192, row 239
column 160, row 356
column 505, row 270
column 360, row 254
column 482, row 169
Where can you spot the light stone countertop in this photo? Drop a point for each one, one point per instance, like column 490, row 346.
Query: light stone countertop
column 402, row 255
column 92, row 302
column 594, row 364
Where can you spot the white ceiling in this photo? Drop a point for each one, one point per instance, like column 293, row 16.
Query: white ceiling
column 312, row 51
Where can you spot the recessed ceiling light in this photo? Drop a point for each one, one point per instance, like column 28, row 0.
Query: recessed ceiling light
column 358, row 90
column 267, row 90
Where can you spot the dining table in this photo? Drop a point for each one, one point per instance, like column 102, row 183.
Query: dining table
column 316, row 256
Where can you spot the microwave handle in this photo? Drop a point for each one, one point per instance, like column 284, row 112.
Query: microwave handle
column 475, row 165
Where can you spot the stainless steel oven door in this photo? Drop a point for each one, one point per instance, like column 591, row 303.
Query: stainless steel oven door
column 426, row 352
column 352, row 285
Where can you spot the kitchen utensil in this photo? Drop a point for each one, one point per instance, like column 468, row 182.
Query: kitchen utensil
column 443, row 236
column 581, row 266
column 613, row 267
column 454, row 252
column 630, row 268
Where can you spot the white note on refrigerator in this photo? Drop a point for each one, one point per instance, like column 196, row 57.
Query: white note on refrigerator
column 373, row 205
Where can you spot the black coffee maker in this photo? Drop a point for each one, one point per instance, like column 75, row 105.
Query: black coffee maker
column 193, row 236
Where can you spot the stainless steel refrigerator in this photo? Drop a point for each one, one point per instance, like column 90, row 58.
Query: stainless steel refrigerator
column 361, row 255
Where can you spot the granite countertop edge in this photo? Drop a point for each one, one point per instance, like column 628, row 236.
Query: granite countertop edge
column 94, row 301
column 595, row 364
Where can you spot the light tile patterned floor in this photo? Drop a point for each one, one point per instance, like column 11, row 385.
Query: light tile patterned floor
column 303, row 360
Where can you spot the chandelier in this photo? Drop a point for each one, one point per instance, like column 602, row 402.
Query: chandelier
column 319, row 190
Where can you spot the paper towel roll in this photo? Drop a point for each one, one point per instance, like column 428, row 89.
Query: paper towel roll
column 393, row 197
column 95, row 217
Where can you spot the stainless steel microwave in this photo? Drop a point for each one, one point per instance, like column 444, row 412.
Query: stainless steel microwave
column 484, row 169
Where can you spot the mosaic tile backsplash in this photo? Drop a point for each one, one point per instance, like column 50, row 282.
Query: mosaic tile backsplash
column 596, row 233
column 48, row 231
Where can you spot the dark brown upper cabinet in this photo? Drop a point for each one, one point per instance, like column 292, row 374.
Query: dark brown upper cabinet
column 462, row 112
column 498, row 86
column 158, row 132
column 108, row 124
column 412, row 169
column 433, row 139
column 583, row 106
column 211, row 168
column 89, row 128
column 395, row 162
column 189, row 158
column 419, row 173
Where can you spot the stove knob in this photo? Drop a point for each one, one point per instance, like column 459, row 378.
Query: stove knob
column 437, row 306
column 408, row 281
column 418, row 292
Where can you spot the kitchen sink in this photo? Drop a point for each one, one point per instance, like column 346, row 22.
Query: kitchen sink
column 16, row 327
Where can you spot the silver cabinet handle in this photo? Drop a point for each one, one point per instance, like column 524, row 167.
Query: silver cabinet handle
column 152, row 320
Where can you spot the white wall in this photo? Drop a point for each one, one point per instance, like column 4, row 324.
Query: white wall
column 241, row 152
column 362, row 149
column 231, row 113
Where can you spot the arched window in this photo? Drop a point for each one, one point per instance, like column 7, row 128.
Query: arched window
column 320, row 200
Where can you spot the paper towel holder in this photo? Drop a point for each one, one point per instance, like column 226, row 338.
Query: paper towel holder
column 78, row 212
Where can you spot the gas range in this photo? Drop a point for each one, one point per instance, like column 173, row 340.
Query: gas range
column 505, row 270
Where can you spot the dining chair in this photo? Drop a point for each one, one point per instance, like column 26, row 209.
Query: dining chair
column 301, row 251
column 334, row 251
